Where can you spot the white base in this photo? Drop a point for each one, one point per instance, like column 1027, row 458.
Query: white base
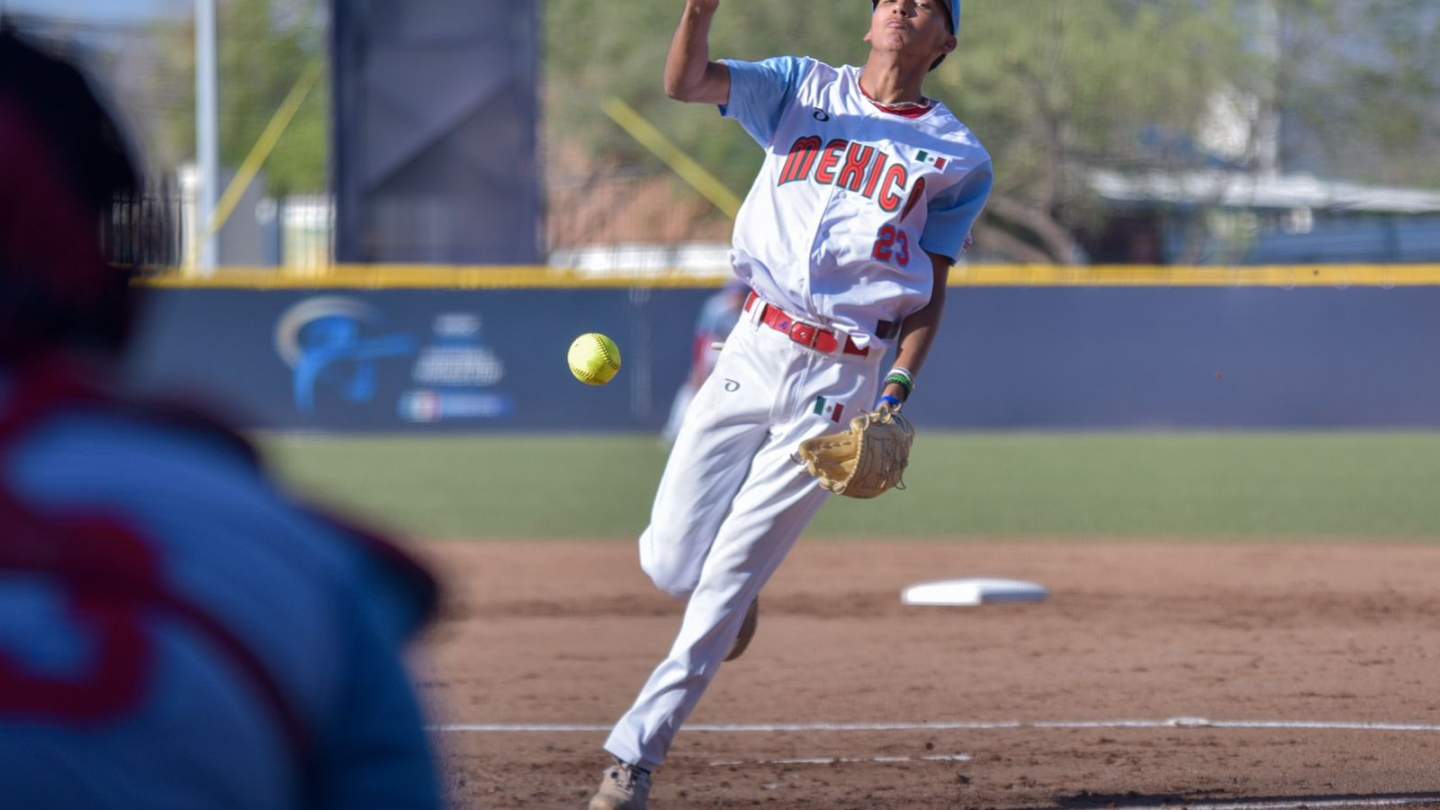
column 972, row 592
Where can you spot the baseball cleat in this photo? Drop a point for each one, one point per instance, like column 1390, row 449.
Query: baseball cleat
column 623, row 787
column 747, row 631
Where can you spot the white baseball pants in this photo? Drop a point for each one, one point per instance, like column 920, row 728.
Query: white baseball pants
column 731, row 503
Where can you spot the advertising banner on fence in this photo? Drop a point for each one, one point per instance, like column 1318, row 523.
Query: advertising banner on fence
column 417, row 359
column 1006, row 358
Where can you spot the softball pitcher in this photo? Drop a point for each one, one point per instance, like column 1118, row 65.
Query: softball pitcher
column 867, row 196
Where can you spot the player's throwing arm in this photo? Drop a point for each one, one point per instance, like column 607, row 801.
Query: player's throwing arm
column 689, row 73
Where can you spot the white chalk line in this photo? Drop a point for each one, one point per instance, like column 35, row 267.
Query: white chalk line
column 723, row 763
column 1289, row 804
column 1016, row 725
column 1011, row 725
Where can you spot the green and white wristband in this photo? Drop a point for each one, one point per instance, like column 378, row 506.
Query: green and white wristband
column 903, row 378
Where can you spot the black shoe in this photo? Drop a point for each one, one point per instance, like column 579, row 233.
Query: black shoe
column 747, row 631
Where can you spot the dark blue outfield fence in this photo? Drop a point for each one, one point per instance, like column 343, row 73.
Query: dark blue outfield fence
column 1007, row 358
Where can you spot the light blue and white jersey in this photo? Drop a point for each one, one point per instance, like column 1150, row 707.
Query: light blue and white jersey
column 852, row 195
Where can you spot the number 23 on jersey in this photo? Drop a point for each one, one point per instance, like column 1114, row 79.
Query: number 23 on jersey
column 892, row 244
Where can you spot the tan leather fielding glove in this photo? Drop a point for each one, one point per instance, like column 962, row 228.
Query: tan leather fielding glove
column 864, row 462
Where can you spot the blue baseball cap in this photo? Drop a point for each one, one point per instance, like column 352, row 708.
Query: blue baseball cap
column 952, row 11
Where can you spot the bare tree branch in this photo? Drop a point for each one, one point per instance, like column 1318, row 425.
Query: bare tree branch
column 1056, row 238
column 996, row 240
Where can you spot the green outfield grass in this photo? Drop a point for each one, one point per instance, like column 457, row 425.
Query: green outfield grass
column 1246, row 486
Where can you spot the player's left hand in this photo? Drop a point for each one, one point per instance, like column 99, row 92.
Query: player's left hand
column 865, row 461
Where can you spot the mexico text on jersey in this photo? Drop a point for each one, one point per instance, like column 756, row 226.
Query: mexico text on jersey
column 852, row 195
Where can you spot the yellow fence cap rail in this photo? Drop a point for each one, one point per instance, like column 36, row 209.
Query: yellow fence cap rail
column 451, row 277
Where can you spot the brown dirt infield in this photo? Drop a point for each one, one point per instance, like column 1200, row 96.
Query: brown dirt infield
column 565, row 633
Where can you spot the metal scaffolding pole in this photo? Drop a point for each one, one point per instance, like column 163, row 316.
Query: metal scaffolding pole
column 207, row 139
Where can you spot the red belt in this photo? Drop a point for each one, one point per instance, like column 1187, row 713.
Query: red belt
column 806, row 334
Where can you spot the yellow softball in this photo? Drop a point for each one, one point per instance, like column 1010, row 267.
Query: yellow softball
column 594, row 359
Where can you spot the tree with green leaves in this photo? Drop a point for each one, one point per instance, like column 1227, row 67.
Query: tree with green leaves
column 1344, row 89
column 1050, row 87
column 1358, row 83
column 264, row 48
column 1057, row 89
column 594, row 50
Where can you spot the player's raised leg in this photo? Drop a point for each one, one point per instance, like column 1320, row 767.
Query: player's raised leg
column 725, row 425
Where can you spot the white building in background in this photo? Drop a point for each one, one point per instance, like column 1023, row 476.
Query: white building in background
column 294, row 233
column 695, row 259
column 1231, row 217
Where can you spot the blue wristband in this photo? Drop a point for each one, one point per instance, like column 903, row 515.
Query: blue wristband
column 889, row 400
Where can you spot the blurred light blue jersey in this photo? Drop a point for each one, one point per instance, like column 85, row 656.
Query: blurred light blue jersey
column 719, row 314
column 179, row 723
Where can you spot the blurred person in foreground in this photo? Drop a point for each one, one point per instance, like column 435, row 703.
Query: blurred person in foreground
column 175, row 630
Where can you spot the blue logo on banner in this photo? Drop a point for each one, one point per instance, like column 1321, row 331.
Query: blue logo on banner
column 332, row 341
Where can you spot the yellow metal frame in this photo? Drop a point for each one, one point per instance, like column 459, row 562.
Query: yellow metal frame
column 259, row 153
column 671, row 155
